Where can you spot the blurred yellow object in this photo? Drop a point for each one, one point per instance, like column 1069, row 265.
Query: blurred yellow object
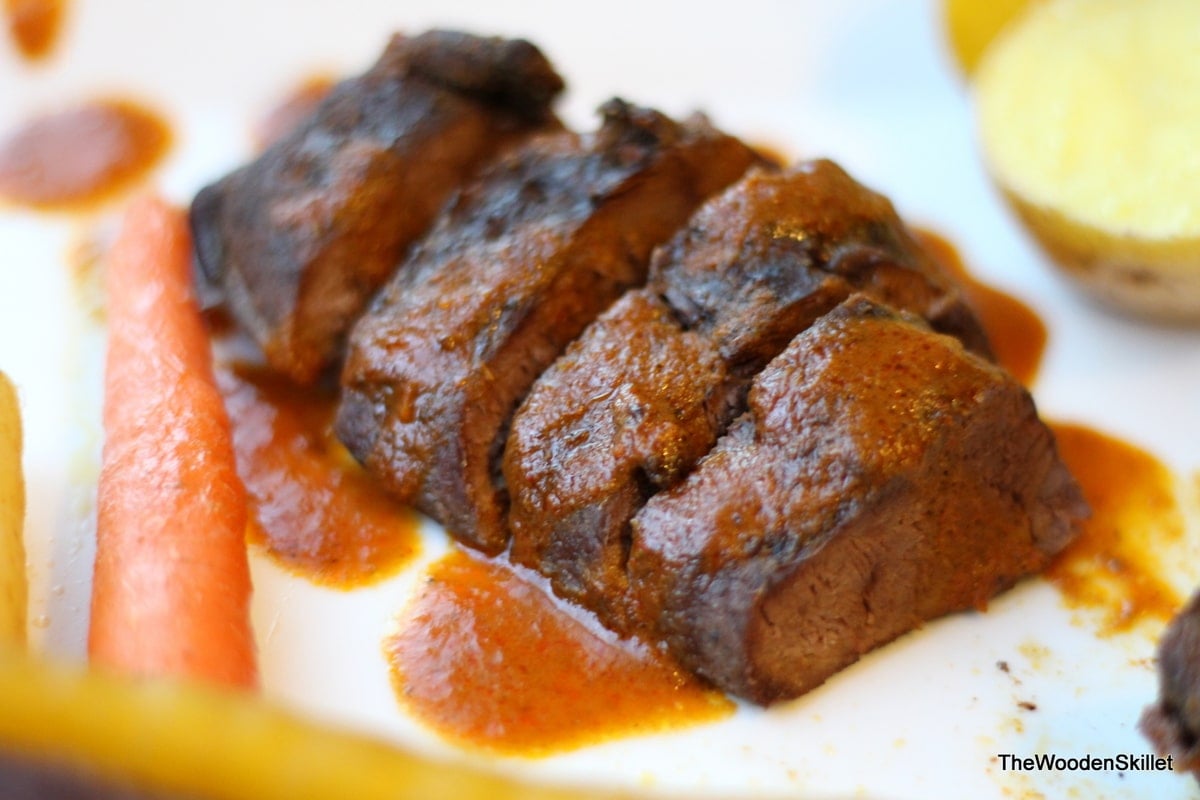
column 1088, row 114
column 13, row 588
column 168, row 738
column 971, row 25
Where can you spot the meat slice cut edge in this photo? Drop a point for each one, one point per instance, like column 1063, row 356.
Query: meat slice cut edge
column 881, row 477
column 647, row 389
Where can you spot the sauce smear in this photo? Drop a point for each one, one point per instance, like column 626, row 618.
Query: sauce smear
column 1114, row 565
column 1017, row 334
column 79, row 157
column 35, row 25
column 297, row 106
column 315, row 510
column 491, row 660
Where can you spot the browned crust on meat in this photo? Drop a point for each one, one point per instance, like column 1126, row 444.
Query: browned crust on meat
column 515, row 270
column 882, row 477
column 297, row 241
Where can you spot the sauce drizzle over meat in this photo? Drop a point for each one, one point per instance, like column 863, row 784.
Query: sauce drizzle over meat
column 81, row 156
column 1115, row 563
column 316, row 512
column 35, row 25
column 486, row 657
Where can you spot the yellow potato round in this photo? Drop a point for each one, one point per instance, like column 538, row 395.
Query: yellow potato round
column 1088, row 116
column 12, row 519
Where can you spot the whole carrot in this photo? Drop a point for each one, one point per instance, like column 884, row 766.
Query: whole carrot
column 171, row 587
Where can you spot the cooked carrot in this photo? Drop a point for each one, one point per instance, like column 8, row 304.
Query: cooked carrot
column 171, row 586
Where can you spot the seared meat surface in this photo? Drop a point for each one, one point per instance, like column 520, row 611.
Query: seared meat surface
column 1173, row 722
column 626, row 411
column 881, row 476
column 761, row 431
column 772, row 254
column 646, row 391
column 296, row 242
column 518, row 265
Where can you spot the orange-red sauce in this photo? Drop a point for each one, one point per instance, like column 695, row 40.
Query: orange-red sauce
column 79, row 157
column 1017, row 334
column 315, row 510
column 1114, row 565
column 35, row 25
column 295, row 107
column 491, row 660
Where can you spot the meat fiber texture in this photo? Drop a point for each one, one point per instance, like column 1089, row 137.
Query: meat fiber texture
column 881, row 477
column 296, row 242
column 1173, row 722
column 515, row 269
column 646, row 390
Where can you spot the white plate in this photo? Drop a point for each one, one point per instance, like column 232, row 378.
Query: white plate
column 866, row 82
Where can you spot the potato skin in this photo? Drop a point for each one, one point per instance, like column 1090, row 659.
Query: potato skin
column 1156, row 279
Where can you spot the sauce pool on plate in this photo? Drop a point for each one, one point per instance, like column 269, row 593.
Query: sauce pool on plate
column 315, row 511
column 82, row 156
column 1116, row 563
column 488, row 658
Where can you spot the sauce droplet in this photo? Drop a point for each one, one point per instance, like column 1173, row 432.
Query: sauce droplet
column 315, row 510
column 35, row 25
column 296, row 106
column 1115, row 565
column 79, row 157
column 490, row 659
column 1017, row 334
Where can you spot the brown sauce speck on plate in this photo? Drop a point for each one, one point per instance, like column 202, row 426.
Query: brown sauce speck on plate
column 77, row 158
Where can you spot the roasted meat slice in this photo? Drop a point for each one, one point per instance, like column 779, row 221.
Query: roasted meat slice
column 296, row 242
column 1173, row 722
column 762, row 262
column 646, row 391
column 518, row 265
column 882, row 476
column 626, row 411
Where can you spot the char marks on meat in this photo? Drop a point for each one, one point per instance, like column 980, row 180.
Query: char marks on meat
column 296, row 242
column 881, row 476
column 762, row 432
column 520, row 262
column 1173, row 722
column 647, row 389
column 762, row 262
